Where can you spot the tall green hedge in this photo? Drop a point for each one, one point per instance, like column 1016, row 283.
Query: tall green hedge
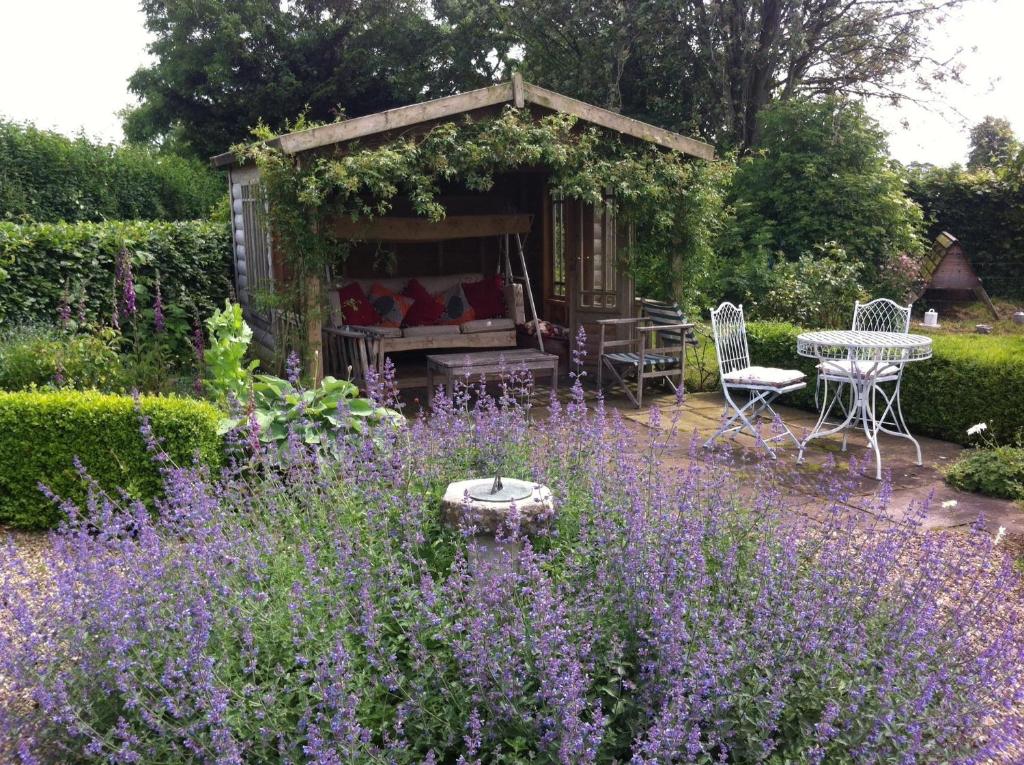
column 40, row 259
column 42, row 433
column 985, row 211
column 969, row 379
column 46, row 176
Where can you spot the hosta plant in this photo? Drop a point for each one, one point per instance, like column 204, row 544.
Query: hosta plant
column 282, row 412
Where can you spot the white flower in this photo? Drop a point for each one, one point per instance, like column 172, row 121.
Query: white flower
column 949, row 503
column 1000, row 534
column 976, row 429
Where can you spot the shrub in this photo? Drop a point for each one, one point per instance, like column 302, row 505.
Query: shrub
column 44, row 432
column 320, row 611
column 997, row 472
column 40, row 355
column 969, row 379
column 46, row 176
column 822, row 174
column 814, row 290
column 51, row 262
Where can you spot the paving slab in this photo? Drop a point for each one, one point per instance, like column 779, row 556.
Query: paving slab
column 700, row 414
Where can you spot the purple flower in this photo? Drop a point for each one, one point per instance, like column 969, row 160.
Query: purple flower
column 64, row 309
column 158, row 308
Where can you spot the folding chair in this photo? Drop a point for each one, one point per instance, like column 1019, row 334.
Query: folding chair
column 655, row 348
column 762, row 384
column 879, row 315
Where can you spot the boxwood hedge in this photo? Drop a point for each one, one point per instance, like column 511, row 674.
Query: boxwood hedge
column 41, row 433
column 969, row 379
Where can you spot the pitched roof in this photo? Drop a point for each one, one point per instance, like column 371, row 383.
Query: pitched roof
column 516, row 92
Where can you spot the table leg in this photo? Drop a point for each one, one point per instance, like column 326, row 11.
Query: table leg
column 430, row 385
column 554, row 375
column 817, row 431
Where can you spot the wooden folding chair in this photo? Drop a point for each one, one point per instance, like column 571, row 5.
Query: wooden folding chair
column 655, row 348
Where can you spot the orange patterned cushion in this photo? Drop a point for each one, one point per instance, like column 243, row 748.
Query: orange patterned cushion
column 390, row 305
column 456, row 308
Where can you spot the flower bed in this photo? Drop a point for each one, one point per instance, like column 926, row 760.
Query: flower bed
column 317, row 609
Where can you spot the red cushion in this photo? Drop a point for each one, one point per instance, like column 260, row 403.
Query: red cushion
column 426, row 309
column 389, row 305
column 355, row 308
column 486, row 297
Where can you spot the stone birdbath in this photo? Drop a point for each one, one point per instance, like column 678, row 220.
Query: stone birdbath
column 495, row 508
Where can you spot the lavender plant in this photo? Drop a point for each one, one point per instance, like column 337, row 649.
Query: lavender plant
column 678, row 611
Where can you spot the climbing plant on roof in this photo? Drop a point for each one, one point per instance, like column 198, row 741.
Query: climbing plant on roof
column 673, row 202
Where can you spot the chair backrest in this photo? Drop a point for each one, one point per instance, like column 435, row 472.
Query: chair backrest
column 666, row 314
column 730, row 333
column 881, row 315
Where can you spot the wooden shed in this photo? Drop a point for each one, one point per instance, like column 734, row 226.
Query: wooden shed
column 948, row 276
column 566, row 254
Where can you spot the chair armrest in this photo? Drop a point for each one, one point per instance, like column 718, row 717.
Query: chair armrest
column 618, row 321
column 352, row 334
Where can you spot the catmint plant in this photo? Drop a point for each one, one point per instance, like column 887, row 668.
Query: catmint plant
column 309, row 604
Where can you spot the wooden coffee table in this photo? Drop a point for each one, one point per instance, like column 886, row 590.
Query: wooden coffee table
column 481, row 363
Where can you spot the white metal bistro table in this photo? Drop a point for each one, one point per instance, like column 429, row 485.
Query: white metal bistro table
column 863, row 360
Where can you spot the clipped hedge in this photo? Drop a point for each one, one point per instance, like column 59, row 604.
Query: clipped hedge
column 45, row 176
column 969, row 379
column 193, row 258
column 41, row 434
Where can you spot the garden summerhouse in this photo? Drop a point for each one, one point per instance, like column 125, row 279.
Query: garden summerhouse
column 559, row 259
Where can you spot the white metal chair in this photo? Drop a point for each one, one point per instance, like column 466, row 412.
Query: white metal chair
column 655, row 348
column 762, row 384
column 878, row 315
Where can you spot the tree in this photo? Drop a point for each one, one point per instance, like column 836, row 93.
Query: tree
column 711, row 66
column 993, row 144
column 222, row 66
column 823, row 175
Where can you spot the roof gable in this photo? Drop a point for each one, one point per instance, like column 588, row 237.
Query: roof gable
column 516, row 92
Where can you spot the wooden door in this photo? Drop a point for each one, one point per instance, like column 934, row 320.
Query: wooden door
column 599, row 287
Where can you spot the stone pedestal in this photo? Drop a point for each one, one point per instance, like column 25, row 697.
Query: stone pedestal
column 494, row 519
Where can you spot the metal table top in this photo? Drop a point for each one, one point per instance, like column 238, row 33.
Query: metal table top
column 878, row 346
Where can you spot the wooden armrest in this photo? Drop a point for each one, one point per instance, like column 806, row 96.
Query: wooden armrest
column 620, row 343
column 618, row 321
column 353, row 334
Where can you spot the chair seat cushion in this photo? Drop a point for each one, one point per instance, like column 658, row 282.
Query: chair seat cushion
column 377, row 329
column 650, row 360
column 842, row 369
column 767, row 376
column 438, row 331
column 486, row 325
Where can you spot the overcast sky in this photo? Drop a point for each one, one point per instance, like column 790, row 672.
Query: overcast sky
column 64, row 65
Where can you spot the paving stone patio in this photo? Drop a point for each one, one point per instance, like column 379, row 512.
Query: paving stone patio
column 701, row 413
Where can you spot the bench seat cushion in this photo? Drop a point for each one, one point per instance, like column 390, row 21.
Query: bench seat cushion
column 379, row 330
column 766, row 376
column 440, row 330
column 486, row 325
